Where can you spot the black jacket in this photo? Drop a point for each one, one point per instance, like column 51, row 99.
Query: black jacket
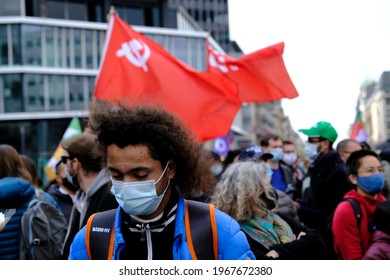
column 328, row 184
column 309, row 247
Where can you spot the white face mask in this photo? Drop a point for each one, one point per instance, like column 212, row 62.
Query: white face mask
column 289, row 158
column 138, row 198
column 311, row 150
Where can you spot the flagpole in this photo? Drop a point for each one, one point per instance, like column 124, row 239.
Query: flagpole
column 108, row 17
column 111, row 12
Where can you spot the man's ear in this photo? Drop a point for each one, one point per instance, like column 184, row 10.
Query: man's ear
column 75, row 164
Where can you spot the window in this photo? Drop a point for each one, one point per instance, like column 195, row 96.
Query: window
column 3, row 45
column 180, row 49
column 16, row 45
column 10, row 8
column 33, row 92
column 49, row 44
column 13, row 96
column 56, row 93
column 76, row 93
column 77, row 48
column 91, row 87
column 77, row 11
column 90, row 50
column 53, row 9
column 32, row 50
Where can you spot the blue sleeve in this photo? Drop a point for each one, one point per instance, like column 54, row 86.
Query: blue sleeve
column 232, row 242
column 78, row 250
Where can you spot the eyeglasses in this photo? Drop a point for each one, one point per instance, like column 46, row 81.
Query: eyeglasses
column 64, row 159
column 315, row 140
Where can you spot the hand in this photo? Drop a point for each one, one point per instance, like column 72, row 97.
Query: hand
column 302, row 233
column 273, row 254
column 296, row 205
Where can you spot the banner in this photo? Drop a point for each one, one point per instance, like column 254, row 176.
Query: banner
column 73, row 129
column 261, row 76
column 358, row 133
column 134, row 69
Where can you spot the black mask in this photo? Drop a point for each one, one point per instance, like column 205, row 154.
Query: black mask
column 269, row 203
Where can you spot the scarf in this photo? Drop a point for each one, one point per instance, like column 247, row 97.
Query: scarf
column 269, row 230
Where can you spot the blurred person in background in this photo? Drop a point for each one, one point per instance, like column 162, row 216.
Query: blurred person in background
column 16, row 191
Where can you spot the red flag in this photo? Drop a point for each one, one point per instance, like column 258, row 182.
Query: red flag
column 136, row 69
column 261, row 76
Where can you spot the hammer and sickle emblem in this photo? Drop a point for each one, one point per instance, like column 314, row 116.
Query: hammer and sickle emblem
column 132, row 50
column 218, row 61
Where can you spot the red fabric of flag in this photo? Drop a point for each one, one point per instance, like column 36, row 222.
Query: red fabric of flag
column 136, row 69
column 261, row 76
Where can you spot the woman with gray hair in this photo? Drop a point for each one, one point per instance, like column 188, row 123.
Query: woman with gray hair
column 245, row 193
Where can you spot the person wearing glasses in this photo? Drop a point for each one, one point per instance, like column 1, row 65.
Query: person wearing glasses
column 83, row 168
column 315, row 208
column 365, row 172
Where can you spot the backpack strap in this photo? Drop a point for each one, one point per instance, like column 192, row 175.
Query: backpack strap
column 38, row 194
column 356, row 209
column 201, row 230
column 100, row 233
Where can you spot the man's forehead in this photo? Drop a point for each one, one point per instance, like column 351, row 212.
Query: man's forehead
column 277, row 142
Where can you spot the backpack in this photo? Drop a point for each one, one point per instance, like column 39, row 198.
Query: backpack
column 43, row 230
column 200, row 224
column 356, row 209
column 358, row 215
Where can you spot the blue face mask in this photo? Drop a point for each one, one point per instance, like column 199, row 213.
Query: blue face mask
column 277, row 153
column 138, row 198
column 216, row 169
column 372, row 184
column 269, row 171
column 311, row 151
column 71, row 179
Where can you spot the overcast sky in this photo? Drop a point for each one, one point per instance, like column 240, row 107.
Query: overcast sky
column 331, row 47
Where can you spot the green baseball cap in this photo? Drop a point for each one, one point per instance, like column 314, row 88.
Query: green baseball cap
column 321, row 129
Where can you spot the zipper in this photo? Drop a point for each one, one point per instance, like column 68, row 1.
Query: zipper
column 146, row 232
column 149, row 242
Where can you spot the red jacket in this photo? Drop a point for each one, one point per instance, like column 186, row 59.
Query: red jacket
column 350, row 243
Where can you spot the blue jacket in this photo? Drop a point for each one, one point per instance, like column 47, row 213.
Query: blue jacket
column 232, row 242
column 14, row 193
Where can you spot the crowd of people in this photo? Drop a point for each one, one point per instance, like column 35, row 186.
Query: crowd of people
column 142, row 172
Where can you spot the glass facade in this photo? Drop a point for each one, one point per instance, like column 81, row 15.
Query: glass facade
column 48, row 67
column 56, row 47
column 36, row 138
column 210, row 15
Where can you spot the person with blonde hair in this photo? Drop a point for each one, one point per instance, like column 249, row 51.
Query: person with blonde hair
column 16, row 191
